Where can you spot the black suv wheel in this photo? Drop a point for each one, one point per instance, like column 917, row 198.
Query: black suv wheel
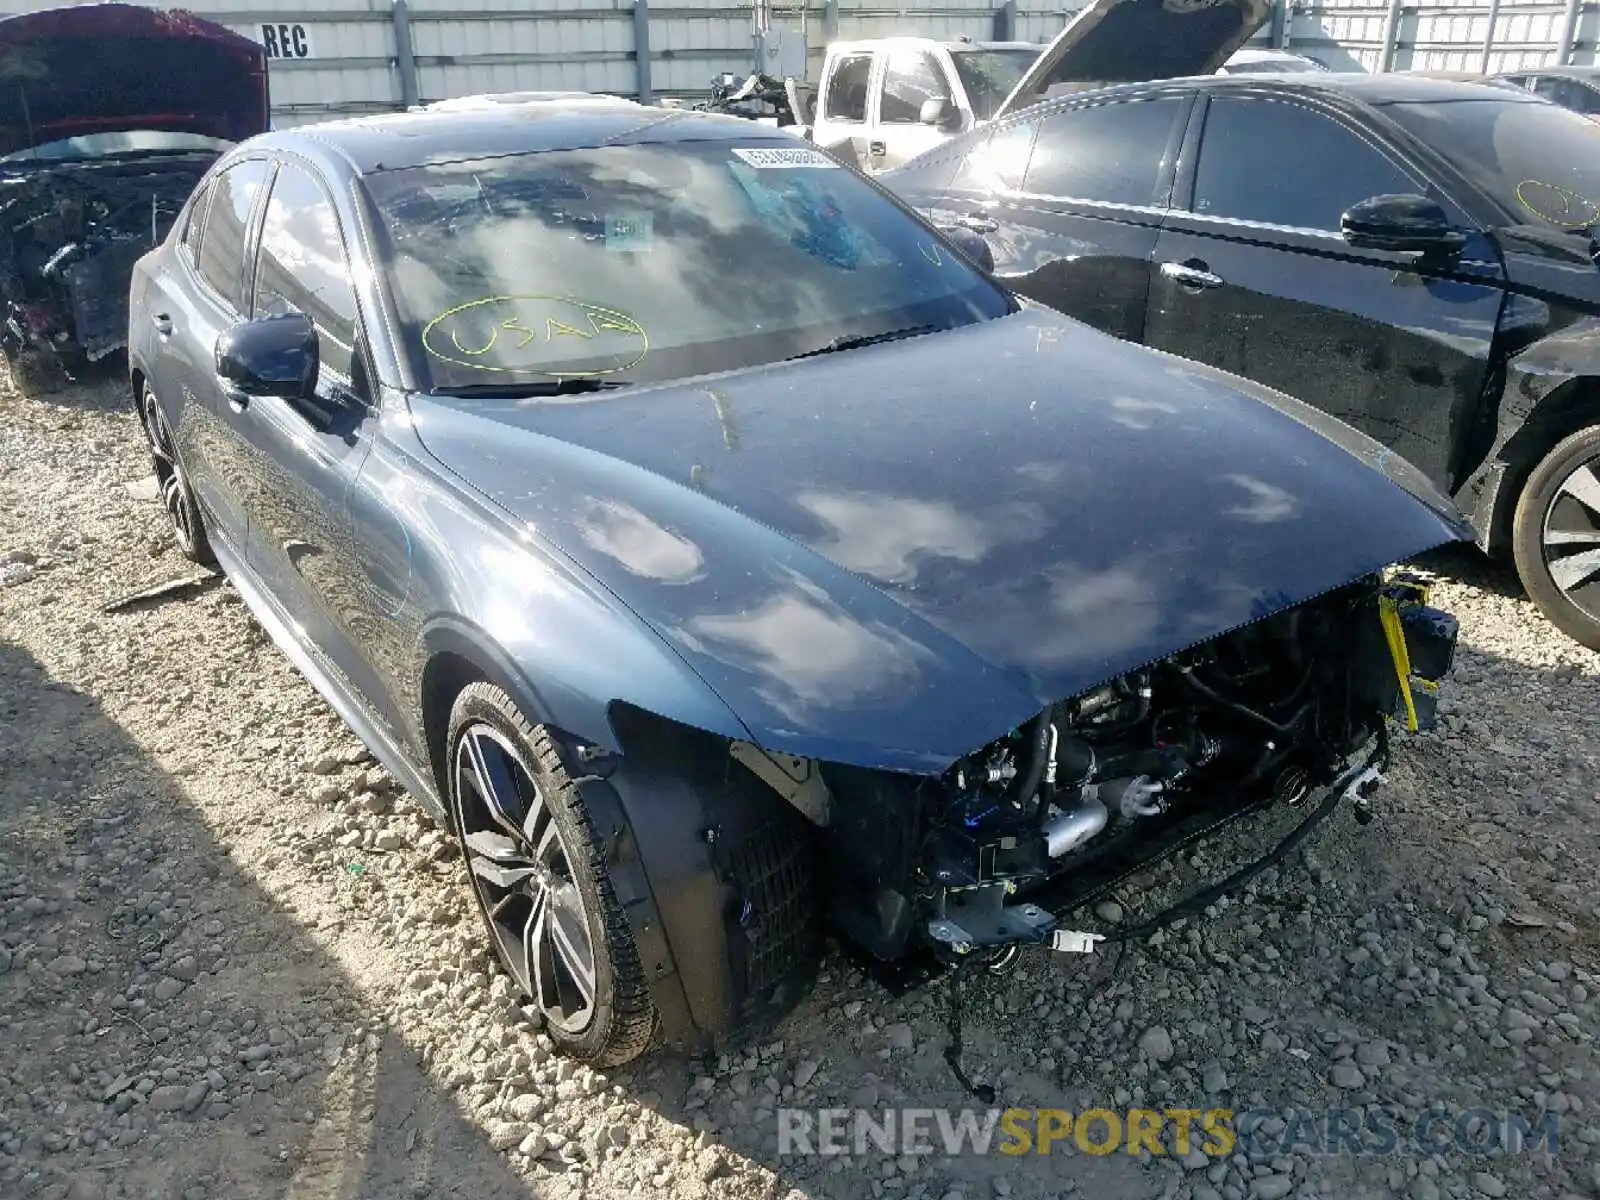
column 1555, row 536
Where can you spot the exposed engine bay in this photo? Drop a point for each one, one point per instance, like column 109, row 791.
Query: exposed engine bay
column 70, row 234
column 988, row 855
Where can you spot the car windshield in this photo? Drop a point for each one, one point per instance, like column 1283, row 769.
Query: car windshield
column 640, row 263
column 1540, row 162
column 990, row 75
column 132, row 141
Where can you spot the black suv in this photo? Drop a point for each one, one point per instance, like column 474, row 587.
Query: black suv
column 1415, row 256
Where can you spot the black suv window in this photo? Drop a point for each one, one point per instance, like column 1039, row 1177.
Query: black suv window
column 999, row 160
column 233, row 195
column 1569, row 93
column 910, row 78
column 1106, row 152
column 1282, row 164
column 847, row 89
column 302, row 265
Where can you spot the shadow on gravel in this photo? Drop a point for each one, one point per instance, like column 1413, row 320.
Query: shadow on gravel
column 1481, row 860
column 145, row 1050
column 1469, row 565
column 99, row 387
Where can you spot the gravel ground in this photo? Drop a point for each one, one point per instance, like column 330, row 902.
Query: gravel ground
column 236, row 962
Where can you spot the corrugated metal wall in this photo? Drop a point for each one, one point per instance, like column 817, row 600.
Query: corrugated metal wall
column 354, row 56
column 1472, row 35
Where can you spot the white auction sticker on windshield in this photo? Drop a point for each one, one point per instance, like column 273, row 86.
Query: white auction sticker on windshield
column 800, row 156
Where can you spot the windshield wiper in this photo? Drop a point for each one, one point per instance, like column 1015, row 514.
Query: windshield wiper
column 572, row 386
column 854, row 341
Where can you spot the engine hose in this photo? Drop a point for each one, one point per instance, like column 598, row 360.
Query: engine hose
column 1238, row 709
column 1038, row 758
column 1297, row 691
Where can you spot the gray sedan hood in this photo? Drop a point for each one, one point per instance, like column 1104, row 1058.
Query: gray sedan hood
column 891, row 555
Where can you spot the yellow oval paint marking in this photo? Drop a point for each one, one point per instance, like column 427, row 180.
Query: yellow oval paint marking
column 520, row 329
column 1557, row 205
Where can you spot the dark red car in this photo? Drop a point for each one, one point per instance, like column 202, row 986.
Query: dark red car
column 109, row 115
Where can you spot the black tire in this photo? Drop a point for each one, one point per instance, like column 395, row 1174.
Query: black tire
column 618, row 1021
column 183, row 514
column 35, row 372
column 1555, row 536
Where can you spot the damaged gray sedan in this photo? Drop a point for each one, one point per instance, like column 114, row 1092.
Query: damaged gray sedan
column 712, row 606
column 109, row 115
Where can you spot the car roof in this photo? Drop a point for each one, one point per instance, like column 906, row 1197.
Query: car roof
column 1389, row 88
column 859, row 44
column 1571, row 72
column 483, row 99
column 394, row 141
column 1266, row 54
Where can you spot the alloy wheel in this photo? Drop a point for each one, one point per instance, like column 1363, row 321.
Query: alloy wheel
column 1571, row 537
column 169, row 478
column 523, row 873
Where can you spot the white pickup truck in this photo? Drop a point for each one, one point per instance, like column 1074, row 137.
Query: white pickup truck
column 882, row 102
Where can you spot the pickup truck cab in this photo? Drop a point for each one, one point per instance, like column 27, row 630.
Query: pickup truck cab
column 883, row 101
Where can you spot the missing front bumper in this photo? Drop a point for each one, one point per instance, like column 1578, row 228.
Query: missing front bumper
column 982, row 918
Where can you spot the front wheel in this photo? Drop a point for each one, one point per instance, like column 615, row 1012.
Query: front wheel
column 183, row 513
column 542, row 884
column 1555, row 536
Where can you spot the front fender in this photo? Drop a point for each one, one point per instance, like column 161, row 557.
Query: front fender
column 1552, row 389
column 468, row 582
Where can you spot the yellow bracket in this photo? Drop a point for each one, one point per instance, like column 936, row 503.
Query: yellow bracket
column 1389, row 615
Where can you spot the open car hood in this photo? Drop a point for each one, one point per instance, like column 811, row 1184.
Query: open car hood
column 1129, row 41
column 112, row 68
column 873, row 559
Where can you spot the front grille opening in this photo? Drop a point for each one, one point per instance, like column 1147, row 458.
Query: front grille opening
column 774, row 919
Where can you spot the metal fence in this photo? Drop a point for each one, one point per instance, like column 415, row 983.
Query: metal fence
column 355, row 56
column 1486, row 36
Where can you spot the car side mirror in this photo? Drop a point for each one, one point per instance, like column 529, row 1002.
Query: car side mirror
column 940, row 113
column 972, row 244
column 270, row 356
column 1402, row 223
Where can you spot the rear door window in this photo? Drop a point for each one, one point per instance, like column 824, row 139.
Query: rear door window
column 847, row 89
column 1283, row 164
column 233, row 198
column 193, row 223
column 1574, row 95
column 1111, row 153
column 999, row 161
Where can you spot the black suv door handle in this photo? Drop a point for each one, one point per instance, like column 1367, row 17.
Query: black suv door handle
column 163, row 324
column 1191, row 274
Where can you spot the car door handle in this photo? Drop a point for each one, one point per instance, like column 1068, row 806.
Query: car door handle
column 977, row 224
column 163, row 324
column 877, row 149
column 1190, row 274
